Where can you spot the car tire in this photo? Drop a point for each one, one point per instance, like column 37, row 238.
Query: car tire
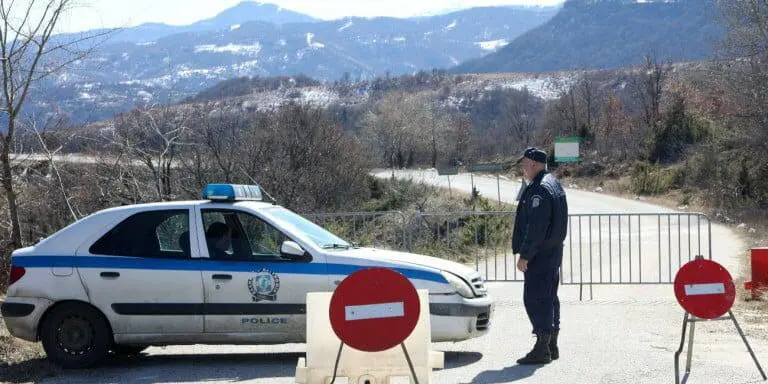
column 127, row 350
column 75, row 335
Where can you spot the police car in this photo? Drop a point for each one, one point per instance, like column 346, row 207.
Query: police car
column 227, row 269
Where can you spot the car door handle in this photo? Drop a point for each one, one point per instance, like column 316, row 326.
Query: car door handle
column 110, row 274
column 222, row 277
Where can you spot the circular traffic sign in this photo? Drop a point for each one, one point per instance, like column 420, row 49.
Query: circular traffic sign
column 705, row 289
column 374, row 309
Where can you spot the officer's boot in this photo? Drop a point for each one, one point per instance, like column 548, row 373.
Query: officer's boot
column 540, row 353
column 554, row 351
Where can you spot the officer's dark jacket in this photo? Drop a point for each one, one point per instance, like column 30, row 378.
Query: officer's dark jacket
column 541, row 222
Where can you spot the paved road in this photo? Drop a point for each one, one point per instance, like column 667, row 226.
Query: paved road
column 613, row 339
column 627, row 334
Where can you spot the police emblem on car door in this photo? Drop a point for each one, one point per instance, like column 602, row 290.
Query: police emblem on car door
column 264, row 286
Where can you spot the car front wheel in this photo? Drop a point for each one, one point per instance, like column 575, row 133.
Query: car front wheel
column 75, row 335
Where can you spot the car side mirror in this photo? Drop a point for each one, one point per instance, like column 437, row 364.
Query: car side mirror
column 293, row 250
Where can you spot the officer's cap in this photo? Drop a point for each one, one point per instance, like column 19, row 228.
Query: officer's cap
column 534, row 154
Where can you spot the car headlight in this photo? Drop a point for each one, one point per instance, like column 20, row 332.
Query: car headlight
column 462, row 288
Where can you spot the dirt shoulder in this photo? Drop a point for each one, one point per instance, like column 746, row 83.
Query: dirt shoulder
column 22, row 361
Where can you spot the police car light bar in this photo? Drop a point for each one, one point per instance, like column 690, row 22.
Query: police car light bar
column 232, row 192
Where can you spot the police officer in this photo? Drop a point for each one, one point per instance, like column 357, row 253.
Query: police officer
column 541, row 226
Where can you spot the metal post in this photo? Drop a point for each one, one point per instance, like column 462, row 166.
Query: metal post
column 669, row 245
column 410, row 364
column 640, row 248
column 659, row 231
column 692, row 319
column 485, row 239
column 610, row 250
column 581, row 261
column 591, row 278
column 680, row 350
column 749, row 348
column 600, row 241
column 477, row 251
column 498, row 186
column 709, row 234
column 690, row 345
column 336, row 365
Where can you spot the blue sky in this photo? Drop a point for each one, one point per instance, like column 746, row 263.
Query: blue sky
column 90, row 14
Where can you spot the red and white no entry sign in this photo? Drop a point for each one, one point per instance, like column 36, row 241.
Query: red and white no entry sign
column 374, row 309
column 705, row 289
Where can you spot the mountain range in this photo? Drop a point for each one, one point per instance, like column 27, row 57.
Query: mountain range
column 241, row 13
column 158, row 63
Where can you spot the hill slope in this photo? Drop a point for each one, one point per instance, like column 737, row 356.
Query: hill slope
column 608, row 34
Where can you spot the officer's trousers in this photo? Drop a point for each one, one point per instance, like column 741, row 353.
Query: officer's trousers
column 542, row 280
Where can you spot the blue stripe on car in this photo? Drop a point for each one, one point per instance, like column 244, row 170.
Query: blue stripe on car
column 206, row 265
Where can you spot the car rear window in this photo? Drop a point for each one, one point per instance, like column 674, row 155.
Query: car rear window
column 154, row 234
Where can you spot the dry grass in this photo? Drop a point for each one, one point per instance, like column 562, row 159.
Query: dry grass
column 22, row 361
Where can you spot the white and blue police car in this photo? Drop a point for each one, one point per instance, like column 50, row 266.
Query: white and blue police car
column 228, row 269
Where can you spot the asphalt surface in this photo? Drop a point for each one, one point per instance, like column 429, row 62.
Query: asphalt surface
column 626, row 334
column 614, row 339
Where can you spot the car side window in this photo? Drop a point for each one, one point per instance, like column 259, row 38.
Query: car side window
column 152, row 234
column 236, row 235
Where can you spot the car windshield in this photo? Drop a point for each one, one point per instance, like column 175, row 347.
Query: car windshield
column 314, row 232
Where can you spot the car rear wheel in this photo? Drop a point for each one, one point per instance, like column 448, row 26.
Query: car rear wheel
column 75, row 336
column 125, row 349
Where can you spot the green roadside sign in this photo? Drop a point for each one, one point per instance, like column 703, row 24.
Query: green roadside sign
column 448, row 171
column 492, row 167
column 567, row 149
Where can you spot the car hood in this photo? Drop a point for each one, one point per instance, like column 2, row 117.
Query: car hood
column 413, row 259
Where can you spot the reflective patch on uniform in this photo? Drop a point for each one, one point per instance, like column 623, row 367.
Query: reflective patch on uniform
column 535, row 201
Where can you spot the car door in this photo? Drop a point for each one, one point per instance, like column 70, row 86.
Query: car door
column 142, row 275
column 253, row 291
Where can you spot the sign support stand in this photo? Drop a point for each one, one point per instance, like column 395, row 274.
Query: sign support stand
column 492, row 168
column 405, row 352
column 472, row 181
column 706, row 292
column 693, row 320
column 448, row 172
column 410, row 363
column 498, row 186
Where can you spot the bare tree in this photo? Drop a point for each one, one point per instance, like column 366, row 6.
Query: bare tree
column 396, row 129
column 744, row 76
column 51, row 155
column 462, row 134
column 30, row 53
column 648, row 88
column 152, row 136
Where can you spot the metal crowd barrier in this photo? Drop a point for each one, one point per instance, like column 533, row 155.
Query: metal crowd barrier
column 600, row 249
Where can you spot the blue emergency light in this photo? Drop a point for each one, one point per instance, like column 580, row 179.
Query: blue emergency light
column 232, row 192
